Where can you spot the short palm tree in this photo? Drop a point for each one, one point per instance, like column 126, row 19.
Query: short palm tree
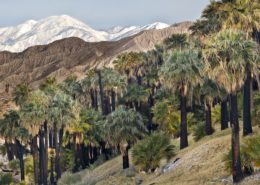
column 11, row 130
column 122, row 128
column 148, row 153
column 209, row 91
column 226, row 57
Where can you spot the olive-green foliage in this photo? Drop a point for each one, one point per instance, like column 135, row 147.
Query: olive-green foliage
column 216, row 114
column 199, row 131
column 249, row 153
column 14, row 165
column 67, row 159
column 6, row 178
column 28, row 168
column 148, row 153
column 256, row 109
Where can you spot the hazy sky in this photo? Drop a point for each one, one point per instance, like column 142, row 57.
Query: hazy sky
column 102, row 13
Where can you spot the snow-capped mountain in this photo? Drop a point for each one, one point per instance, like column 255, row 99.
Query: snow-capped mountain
column 45, row 31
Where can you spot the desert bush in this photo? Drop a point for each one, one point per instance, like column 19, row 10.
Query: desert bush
column 256, row 109
column 199, row 131
column 14, row 165
column 148, row 153
column 67, row 159
column 6, row 178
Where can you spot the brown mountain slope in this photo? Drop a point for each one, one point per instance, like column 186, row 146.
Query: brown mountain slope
column 73, row 56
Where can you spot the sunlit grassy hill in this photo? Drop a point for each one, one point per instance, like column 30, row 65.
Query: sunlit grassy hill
column 200, row 163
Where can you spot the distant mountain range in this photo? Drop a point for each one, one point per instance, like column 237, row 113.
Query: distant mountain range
column 45, row 31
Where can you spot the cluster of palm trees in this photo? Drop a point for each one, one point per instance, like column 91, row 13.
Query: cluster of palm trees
column 111, row 109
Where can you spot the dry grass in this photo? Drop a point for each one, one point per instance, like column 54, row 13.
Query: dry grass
column 200, row 164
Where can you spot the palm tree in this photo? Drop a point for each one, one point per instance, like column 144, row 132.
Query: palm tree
column 60, row 114
column 72, row 87
column 122, row 128
column 226, row 57
column 130, row 64
column 90, row 87
column 20, row 93
column 239, row 15
column 11, row 130
column 182, row 71
column 113, row 83
column 209, row 91
column 134, row 95
column 33, row 116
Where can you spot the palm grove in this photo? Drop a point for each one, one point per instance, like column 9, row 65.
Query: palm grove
column 169, row 89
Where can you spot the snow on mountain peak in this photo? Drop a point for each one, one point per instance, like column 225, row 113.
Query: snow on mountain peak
column 45, row 31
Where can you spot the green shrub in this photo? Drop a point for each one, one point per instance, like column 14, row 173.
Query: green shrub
column 67, row 159
column 14, row 165
column 6, row 178
column 148, row 153
column 199, row 131
column 28, row 168
column 256, row 109
column 216, row 114
column 249, row 154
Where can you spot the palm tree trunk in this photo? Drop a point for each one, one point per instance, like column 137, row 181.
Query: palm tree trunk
column 96, row 99
column 9, row 151
column 113, row 100
column 52, row 171
column 34, row 149
column 92, row 97
column 85, row 156
column 101, row 92
column 184, row 130
column 247, row 127
column 236, row 161
column 76, row 157
column 208, row 126
column 46, row 142
column 20, row 156
column 57, row 157
column 224, row 115
column 41, row 155
column 125, row 157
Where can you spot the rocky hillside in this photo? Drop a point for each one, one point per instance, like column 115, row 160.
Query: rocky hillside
column 74, row 56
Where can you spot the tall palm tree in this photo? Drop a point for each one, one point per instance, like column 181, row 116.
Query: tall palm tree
column 90, row 88
column 60, row 114
column 226, row 56
column 33, row 115
column 239, row 15
column 181, row 72
column 122, row 128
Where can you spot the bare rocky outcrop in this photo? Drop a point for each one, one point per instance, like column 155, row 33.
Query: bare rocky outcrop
column 74, row 56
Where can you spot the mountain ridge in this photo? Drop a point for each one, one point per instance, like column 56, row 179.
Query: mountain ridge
column 73, row 56
column 45, row 31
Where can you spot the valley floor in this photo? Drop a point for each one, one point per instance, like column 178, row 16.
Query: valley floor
column 201, row 163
